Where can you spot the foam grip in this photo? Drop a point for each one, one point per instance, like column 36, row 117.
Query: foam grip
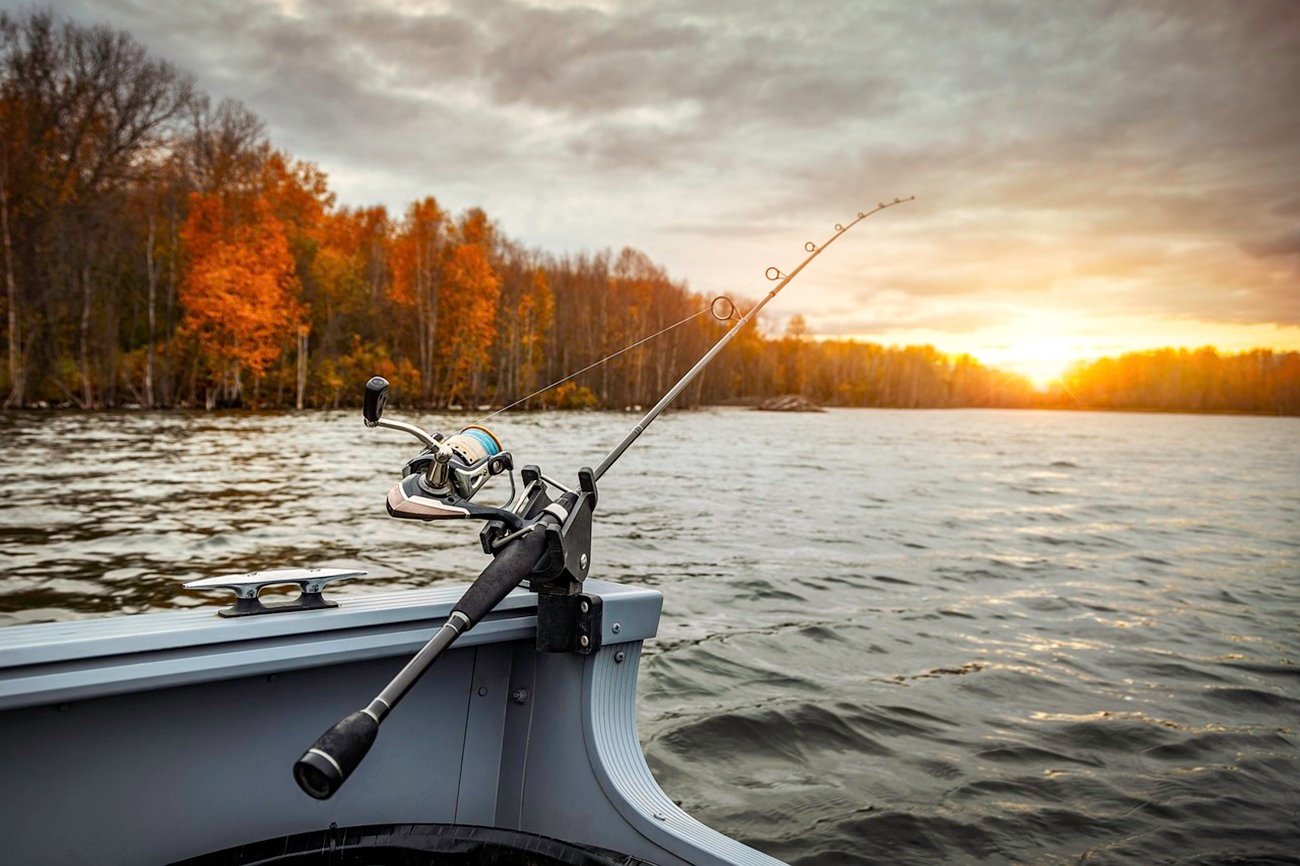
column 509, row 569
column 327, row 764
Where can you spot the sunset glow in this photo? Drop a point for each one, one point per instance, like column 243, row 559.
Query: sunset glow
column 1140, row 192
column 1041, row 346
column 1082, row 181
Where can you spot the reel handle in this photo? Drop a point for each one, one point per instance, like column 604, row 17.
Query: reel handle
column 372, row 408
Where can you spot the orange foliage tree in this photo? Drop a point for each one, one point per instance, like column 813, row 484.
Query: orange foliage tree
column 468, row 309
column 240, row 292
column 1200, row 380
column 417, row 252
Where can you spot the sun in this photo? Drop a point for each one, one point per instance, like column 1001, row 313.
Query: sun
column 1037, row 344
column 1040, row 358
column 1042, row 344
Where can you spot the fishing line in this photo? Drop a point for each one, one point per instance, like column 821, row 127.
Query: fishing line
column 722, row 302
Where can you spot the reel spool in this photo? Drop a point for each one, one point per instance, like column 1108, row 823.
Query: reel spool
column 440, row 482
column 474, row 443
column 463, row 463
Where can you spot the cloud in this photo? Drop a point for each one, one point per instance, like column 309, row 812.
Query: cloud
column 1286, row 244
column 1137, row 156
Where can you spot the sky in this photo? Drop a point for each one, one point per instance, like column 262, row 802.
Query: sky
column 1091, row 177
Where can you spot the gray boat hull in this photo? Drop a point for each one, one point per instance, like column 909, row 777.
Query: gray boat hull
column 160, row 737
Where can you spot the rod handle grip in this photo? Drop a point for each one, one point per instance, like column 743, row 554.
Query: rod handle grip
column 510, row 568
column 325, row 766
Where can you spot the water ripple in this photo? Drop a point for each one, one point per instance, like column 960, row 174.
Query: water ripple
column 888, row 637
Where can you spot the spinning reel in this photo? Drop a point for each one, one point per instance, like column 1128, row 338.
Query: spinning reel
column 440, row 482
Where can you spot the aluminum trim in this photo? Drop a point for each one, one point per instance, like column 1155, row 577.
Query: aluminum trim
column 616, row 757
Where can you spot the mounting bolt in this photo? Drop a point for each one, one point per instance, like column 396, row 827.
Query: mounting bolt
column 584, row 607
column 482, row 691
column 584, row 641
column 619, row 657
column 582, row 562
column 616, row 628
column 519, row 696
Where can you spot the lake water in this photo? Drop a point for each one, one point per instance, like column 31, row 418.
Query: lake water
column 888, row 637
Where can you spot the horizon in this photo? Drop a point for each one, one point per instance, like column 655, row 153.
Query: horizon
column 1078, row 170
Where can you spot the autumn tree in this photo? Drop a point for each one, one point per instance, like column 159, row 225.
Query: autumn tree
column 417, row 256
column 240, row 293
column 85, row 110
column 794, row 353
column 1200, row 380
column 525, row 318
column 467, row 309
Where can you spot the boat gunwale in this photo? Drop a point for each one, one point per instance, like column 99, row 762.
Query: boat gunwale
column 46, row 663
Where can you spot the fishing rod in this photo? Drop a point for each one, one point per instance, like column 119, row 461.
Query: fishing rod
column 535, row 537
column 772, row 274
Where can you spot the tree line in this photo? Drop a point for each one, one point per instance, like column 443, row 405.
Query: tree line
column 159, row 251
column 1185, row 380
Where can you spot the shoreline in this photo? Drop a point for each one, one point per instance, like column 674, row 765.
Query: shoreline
column 627, row 410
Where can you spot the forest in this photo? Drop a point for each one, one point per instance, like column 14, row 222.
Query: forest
column 159, row 251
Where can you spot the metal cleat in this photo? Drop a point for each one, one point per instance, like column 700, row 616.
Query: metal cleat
column 246, row 587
